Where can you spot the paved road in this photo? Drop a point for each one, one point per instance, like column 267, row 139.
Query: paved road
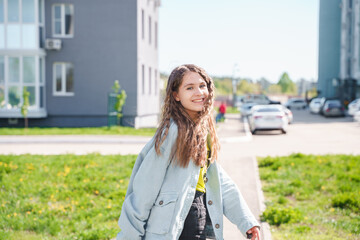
column 309, row 134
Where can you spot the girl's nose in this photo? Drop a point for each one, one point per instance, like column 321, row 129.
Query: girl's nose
column 199, row 91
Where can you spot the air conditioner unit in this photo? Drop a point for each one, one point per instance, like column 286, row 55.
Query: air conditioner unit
column 53, row 44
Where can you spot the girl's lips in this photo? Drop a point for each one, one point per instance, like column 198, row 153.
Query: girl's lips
column 198, row 100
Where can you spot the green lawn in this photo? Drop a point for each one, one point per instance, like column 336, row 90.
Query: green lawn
column 312, row 197
column 232, row 110
column 62, row 197
column 79, row 131
column 80, row 197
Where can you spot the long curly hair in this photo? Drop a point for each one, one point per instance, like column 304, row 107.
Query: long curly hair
column 192, row 134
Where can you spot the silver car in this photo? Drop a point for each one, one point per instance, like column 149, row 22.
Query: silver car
column 357, row 116
column 268, row 117
column 315, row 105
column 298, row 103
column 245, row 109
column 354, row 106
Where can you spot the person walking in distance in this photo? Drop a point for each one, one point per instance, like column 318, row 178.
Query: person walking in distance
column 177, row 190
column 222, row 111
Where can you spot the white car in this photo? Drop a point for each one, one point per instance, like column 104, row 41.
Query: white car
column 268, row 117
column 357, row 116
column 315, row 105
column 245, row 109
column 288, row 114
column 299, row 103
column 354, row 106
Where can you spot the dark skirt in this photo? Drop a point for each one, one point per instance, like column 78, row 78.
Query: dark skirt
column 197, row 224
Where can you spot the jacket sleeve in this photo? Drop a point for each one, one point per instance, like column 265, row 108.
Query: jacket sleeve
column 146, row 185
column 234, row 205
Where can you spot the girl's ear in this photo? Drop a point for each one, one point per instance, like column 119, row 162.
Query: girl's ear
column 176, row 96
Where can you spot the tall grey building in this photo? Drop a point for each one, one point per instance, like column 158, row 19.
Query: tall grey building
column 339, row 49
column 68, row 54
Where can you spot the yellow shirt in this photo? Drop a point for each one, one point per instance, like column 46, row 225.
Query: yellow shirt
column 200, row 186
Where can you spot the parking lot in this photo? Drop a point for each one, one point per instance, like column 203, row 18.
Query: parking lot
column 308, row 134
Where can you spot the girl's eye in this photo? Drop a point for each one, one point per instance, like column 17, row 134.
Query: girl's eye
column 203, row 85
column 189, row 88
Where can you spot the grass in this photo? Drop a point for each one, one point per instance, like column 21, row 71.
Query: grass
column 79, row 131
column 312, row 197
column 230, row 109
column 63, row 196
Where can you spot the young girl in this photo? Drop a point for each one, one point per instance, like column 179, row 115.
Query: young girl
column 177, row 190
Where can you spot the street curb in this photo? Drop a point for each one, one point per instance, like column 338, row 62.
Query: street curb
column 265, row 227
column 76, row 139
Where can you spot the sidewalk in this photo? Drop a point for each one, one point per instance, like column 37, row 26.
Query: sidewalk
column 243, row 170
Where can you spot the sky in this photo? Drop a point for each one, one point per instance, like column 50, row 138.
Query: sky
column 241, row 38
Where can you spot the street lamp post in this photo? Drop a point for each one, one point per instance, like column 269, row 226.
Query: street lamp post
column 234, row 82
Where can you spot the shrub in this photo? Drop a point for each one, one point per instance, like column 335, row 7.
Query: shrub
column 347, row 201
column 266, row 162
column 277, row 215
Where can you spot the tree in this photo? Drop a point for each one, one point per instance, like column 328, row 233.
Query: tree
column 247, row 87
column 286, row 84
column 264, row 84
column 120, row 99
column 25, row 106
column 274, row 89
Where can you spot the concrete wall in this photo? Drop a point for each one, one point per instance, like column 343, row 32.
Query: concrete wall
column 103, row 49
column 329, row 46
column 148, row 103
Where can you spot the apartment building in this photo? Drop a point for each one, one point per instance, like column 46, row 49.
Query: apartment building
column 68, row 53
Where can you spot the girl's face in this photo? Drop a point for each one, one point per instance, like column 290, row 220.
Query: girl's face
column 192, row 93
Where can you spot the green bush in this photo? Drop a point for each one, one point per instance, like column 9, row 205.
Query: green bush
column 277, row 215
column 347, row 201
column 266, row 162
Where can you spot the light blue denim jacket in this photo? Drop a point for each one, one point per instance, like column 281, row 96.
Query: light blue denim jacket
column 160, row 195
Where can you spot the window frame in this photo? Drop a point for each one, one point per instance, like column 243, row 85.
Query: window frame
column 62, row 20
column 143, row 79
column 63, row 80
column 150, row 78
column 21, row 84
column 150, row 22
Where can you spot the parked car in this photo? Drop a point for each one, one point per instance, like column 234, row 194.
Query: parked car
column 245, row 109
column 299, row 103
column 258, row 99
column 315, row 105
column 357, row 116
column 288, row 114
column 354, row 106
column 268, row 117
column 333, row 108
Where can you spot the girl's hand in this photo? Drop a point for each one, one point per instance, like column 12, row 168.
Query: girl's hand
column 255, row 233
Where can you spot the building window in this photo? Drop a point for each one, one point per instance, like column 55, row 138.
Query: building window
column 17, row 73
column 18, row 28
column 156, row 35
column 13, row 11
column 156, row 83
column 143, row 78
column 2, row 82
column 1, row 11
column 63, row 79
column 142, row 24
column 63, row 20
column 28, row 11
column 150, row 80
column 149, row 30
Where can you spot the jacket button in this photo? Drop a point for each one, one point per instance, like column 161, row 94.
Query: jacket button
column 210, row 202
column 217, row 225
column 161, row 202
